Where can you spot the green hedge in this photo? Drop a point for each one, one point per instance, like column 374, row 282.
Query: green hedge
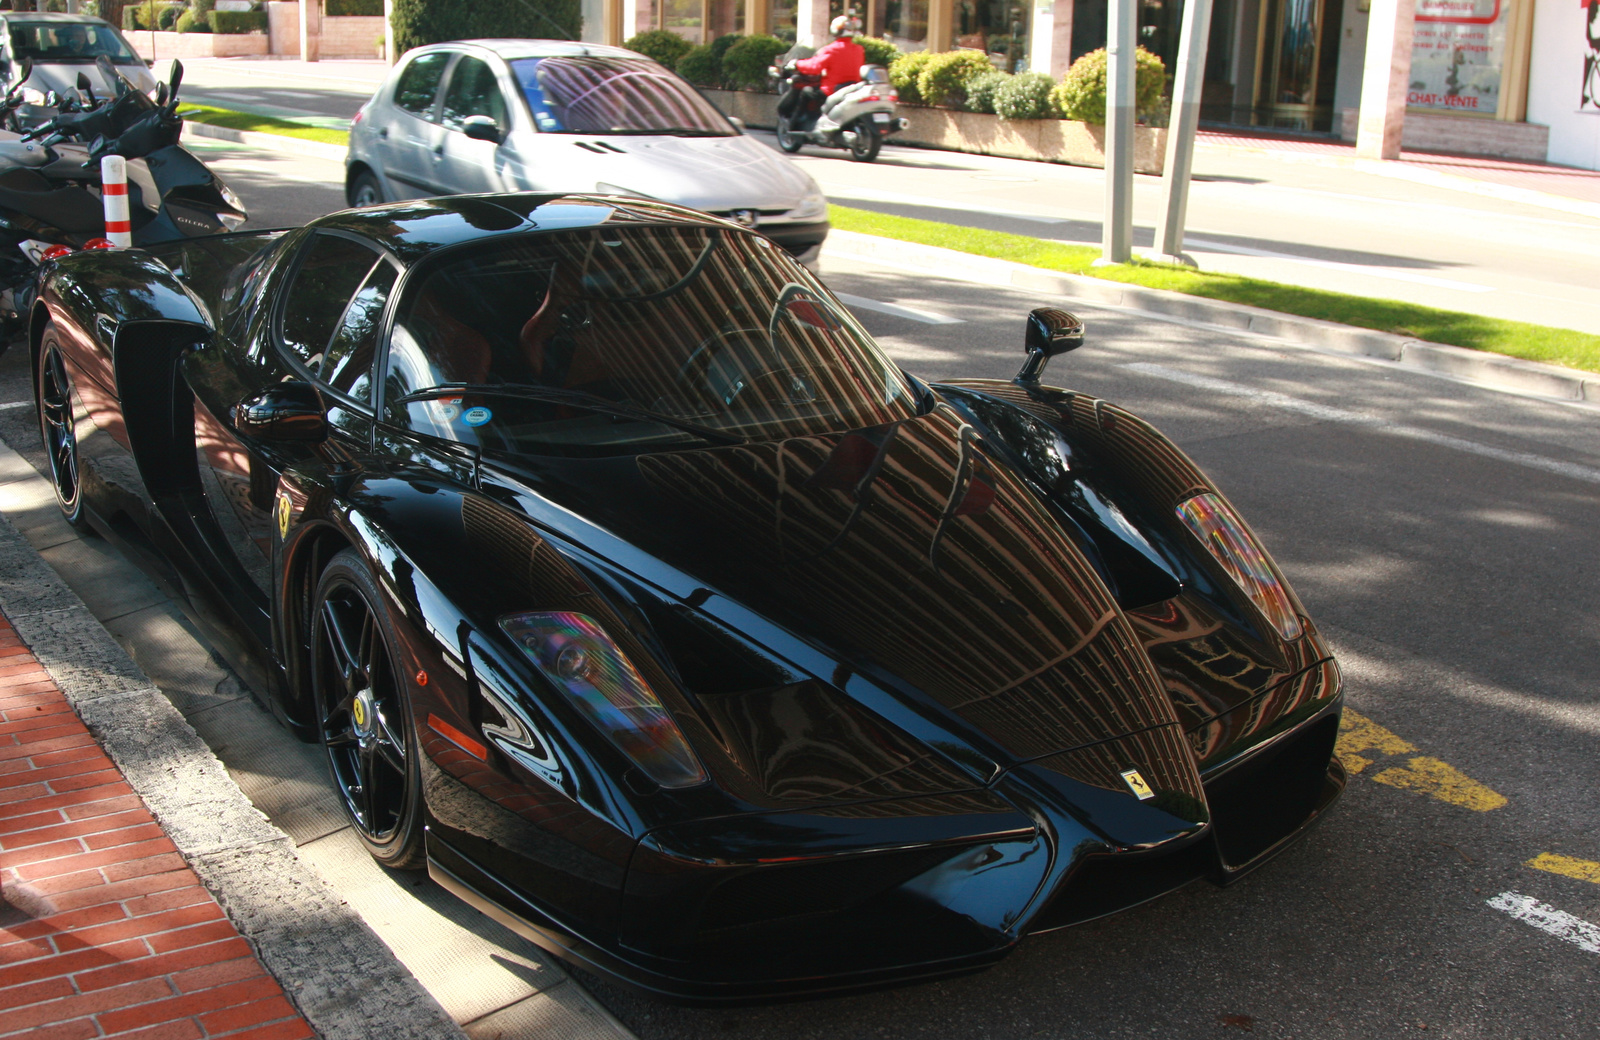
column 663, row 46
column 981, row 90
column 420, row 22
column 136, row 18
column 944, row 77
column 363, row 8
column 879, row 52
column 1082, row 93
column 746, row 62
column 235, row 23
column 1027, row 95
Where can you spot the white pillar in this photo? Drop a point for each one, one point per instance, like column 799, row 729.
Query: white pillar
column 635, row 17
column 388, row 33
column 310, row 30
column 1116, row 239
column 1385, row 79
column 1050, row 38
column 811, row 23
column 1187, row 84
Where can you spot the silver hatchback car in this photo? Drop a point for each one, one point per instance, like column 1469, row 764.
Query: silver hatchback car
column 546, row 115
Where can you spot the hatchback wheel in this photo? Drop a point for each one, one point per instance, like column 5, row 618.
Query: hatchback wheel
column 365, row 190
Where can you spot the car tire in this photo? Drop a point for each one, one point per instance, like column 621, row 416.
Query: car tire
column 365, row 190
column 58, row 427
column 364, row 713
column 866, row 144
column 788, row 140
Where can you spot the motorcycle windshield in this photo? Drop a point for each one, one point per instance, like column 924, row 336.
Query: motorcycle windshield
column 587, row 94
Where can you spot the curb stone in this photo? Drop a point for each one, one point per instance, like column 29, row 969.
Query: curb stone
column 1493, row 371
column 276, row 142
column 335, row 969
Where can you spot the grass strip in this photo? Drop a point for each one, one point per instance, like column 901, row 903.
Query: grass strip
column 1474, row 331
column 262, row 124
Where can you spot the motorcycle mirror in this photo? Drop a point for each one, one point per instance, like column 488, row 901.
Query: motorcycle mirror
column 83, row 81
column 161, row 94
column 176, row 79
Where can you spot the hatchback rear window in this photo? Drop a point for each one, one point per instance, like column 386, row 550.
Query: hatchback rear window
column 584, row 94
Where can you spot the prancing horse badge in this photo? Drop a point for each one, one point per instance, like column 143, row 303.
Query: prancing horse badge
column 1137, row 785
column 284, row 509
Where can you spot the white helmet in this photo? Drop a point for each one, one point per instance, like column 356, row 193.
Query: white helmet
column 845, row 25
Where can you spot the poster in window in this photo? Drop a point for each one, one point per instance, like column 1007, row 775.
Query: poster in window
column 1590, row 101
column 1457, row 50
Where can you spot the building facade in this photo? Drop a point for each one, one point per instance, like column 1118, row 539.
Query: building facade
column 1516, row 79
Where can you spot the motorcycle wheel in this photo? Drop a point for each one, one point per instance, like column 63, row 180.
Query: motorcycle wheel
column 788, row 140
column 864, row 148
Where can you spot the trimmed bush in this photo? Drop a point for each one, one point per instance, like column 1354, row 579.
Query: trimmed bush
column 943, row 80
column 233, row 23
column 190, row 22
column 701, row 67
column 879, row 52
column 353, row 8
column 1025, row 96
column 720, row 45
column 663, row 45
column 980, row 90
column 138, row 17
column 746, row 62
column 419, row 22
column 1082, row 93
column 904, row 72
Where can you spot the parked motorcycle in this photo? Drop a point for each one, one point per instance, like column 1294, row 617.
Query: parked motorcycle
column 50, row 198
column 856, row 117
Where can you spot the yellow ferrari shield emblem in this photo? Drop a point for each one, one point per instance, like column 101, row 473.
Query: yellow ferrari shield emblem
column 1137, row 785
column 359, row 710
column 283, row 515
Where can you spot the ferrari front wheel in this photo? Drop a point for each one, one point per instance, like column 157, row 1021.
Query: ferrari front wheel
column 58, row 427
column 364, row 713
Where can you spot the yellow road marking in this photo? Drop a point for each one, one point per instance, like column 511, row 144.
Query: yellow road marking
column 1360, row 737
column 1566, row 866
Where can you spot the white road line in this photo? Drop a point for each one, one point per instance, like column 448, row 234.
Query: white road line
column 1327, row 413
column 1547, row 918
column 926, row 317
column 860, row 194
column 15, row 404
column 1392, row 273
column 228, row 94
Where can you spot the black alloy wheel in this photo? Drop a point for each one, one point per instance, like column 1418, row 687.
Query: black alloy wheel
column 866, row 142
column 58, row 428
column 365, row 712
column 788, row 139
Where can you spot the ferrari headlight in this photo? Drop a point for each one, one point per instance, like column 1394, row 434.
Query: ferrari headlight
column 1216, row 525
column 575, row 654
column 812, row 206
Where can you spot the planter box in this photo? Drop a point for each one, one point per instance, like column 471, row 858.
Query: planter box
column 1047, row 140
column 196, row 45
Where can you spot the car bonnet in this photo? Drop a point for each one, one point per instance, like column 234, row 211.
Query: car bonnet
column 714, row 174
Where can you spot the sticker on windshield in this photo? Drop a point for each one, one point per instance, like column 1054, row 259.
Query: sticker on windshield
column 476, row 416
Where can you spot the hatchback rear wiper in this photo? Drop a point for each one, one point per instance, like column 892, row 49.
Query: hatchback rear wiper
column 576, row 398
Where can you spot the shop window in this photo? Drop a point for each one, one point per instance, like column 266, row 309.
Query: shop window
column 999, row 28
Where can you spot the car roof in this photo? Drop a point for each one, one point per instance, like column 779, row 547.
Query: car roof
column 413, row 229
column 517, row 48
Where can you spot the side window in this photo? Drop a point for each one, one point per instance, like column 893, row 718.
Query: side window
column 347, row 364
column 330, row 271
column 474, row 91
column 420, row 82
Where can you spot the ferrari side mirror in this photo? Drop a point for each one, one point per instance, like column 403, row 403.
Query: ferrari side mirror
column 482, row 128
column 1050, row 331
column 283, row 412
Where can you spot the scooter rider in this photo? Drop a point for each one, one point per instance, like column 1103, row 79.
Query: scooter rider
column 839, row 65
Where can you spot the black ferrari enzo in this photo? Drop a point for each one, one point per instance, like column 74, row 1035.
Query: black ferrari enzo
column 635, row 593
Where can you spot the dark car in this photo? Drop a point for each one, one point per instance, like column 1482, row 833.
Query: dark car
column 636, row 594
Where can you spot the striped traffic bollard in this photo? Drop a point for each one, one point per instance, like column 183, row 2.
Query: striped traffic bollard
column 114, row 192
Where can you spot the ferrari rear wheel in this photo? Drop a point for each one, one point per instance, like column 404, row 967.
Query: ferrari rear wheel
column 364, row 713
column 58, row 428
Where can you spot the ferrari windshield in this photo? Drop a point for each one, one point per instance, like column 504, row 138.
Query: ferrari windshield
column 587, row 94
column 697, row 335
column 68, row 43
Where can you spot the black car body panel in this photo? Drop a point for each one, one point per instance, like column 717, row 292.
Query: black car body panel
column 916, row 661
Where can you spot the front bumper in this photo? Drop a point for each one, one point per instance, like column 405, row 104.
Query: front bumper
column 701, row 928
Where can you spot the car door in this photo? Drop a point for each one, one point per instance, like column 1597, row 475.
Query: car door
column 323, row 330
column 407, row 131
column 466, row 164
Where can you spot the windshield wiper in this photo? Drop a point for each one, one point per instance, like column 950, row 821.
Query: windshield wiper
column 576, row 398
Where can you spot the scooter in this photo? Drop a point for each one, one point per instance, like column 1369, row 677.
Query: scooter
column 50, row 199
column 856, row 117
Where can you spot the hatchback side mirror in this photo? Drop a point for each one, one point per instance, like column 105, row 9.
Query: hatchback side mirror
column 283, row 412
column 482, row 128
column 1050, row 331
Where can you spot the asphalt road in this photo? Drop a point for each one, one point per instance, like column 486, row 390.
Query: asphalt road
column 1277, row 216
column 1444, row 538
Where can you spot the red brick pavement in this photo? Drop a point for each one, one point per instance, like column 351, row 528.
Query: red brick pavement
column 104, row 931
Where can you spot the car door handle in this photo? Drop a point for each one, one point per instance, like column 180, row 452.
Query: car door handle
column 383, row 132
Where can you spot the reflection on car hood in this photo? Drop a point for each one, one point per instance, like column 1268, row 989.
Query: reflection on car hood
column 707, row 173
column 906, row 551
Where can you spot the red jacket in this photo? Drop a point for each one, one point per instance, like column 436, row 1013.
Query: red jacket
column 839, row 63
